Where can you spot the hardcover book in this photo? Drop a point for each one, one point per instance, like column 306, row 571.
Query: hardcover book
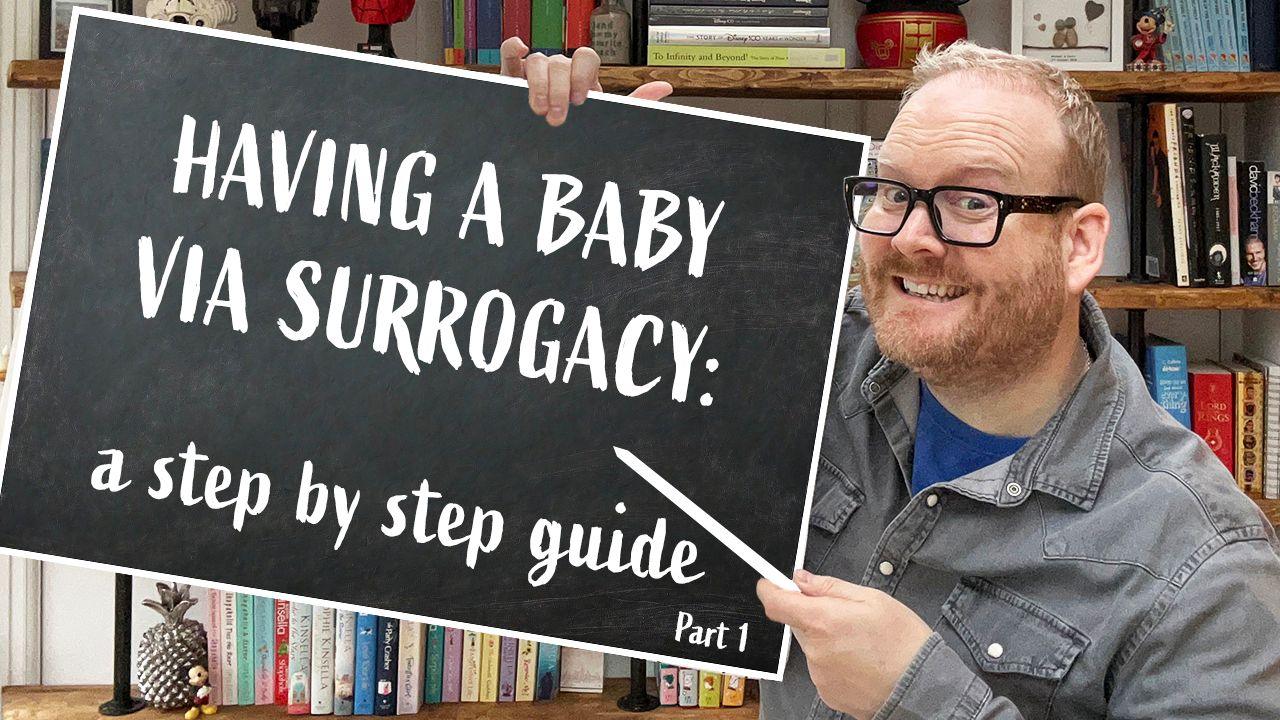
column 668, row 684
column 1214, row 226
column 1252, row 192
column 322, row 627
column 488, row 31
column 709, row 689
column 1273, row 227
column 547, row 685
column 526, row 669
column 470, row 666
column 1166, row 251
column 1166, row 372
column 214, row 633
column 507, row 669
column 230, row 651
column 1213, row 410
column 344, row 663
column 1233, row 218
column 412, row 663
column 451, row 686
column 490, row 663
column 818, row 37
column 1249, row 393
column 517, row 20
column 1191, row 193
column 737, row 21
column 734, row 690
column 470, row 34
column 299, row 658
column 384, row 699
column 577, row 24
column 548, row 27
column 688, row 687
column 755, row 3
column 264, row 637
column 1270, row 422
column 711, row 56
column 581, row 670
column 366, row 663
column 434, row 680
column 281, row 652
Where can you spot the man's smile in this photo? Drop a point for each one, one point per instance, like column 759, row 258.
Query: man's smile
column 934, row 292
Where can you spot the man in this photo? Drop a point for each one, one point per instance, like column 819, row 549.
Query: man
column 1006, row 525
column 1255, row 258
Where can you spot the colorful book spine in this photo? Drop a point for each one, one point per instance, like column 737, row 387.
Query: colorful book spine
column 246, row 658
column 722, row 11
column 344, row 663
column 489, row 31
column 1249, row 417
column 688, row 687
column 1174, row 53
column 1196, row 53
column 214, row 633
column 755, row 3
column 1252, row 193
column 366, row 663
column 548, row 26
column 490, row 664
column 1212, row 43
column 1270, row 413
column 1213, row 410
column 411, row 666
column 434, row 677
column 1191, row 194
column 281, row 652
column 1177, row 195
column 548, row 683
column 384, row 701
column 577, row 24
column 1227, row 33
column 517, row 19
column 322, row 626
column 739, row 21
column 1244, row 61
column 526, row 669
column 668, row 684
column 230, row 655
column 1166, row 372
column 510, row 648
column 470, row 666
column 264, row 665
column 1233, row 217
column 459, row 31
column 1273, row 227
column 734, row 690
column 471, row 10
column 581, row 670
column 299, row 658
column 818, row 37
column 451, row 682
column 1213, row 209
column 709, row 689
column 777, row 57
column 446, row 27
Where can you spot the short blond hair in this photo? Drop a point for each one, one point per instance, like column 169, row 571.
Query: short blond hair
column 1083, row 170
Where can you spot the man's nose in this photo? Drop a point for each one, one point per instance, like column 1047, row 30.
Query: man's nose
column 917, row 235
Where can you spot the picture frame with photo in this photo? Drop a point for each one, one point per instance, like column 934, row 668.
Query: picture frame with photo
column 55, row 23
column 1071, row 34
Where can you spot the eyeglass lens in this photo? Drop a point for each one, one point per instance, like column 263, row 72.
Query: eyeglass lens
column 966, row 216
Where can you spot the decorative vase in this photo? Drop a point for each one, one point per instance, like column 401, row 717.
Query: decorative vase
column 891, row 32
column 170, row 649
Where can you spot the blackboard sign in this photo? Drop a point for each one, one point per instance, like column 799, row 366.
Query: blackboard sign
column 357, row 331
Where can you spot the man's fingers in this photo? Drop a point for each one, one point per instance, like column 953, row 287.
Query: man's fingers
column 513, row 51
column 582, row 74
column 784, row 606
column 535, row 71
column 827, row 586
column 558, row 89
column 655, row 90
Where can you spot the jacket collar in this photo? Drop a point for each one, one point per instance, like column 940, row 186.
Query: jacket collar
column 1068, row 456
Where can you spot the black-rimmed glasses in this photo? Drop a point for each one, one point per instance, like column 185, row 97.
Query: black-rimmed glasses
column 966, row 216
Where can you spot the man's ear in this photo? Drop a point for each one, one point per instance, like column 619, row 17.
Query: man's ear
column 1084, row 245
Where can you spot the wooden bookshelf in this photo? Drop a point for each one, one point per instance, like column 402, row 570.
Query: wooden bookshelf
column 1271, row 508
column 1121, row 294
column 32, row 702
column 855, row 83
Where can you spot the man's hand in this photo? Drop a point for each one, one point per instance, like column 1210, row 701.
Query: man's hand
column 556, row 81
column 857, row 641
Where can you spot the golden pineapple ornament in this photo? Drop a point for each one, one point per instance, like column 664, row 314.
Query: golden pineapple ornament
column 170, row 649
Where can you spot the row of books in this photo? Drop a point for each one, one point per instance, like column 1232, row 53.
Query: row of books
column 1212, row 219
column 1225, row 35
column 741, row 33
column 318, row 660
column 1234, row 405
column 474, row 29
column 690, row 687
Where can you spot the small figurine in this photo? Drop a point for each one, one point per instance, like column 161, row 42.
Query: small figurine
column 199, row 677
column 1153, row 26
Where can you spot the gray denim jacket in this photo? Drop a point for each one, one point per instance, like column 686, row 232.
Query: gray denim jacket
column 1109, row 568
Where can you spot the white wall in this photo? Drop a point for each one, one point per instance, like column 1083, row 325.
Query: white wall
column 76, row 604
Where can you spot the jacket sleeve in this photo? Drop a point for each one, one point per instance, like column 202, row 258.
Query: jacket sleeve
column 1208, row 649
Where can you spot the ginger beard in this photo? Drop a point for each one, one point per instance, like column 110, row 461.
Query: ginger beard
column 1005, row 323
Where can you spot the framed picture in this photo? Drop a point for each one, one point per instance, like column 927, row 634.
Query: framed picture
column 1071, row 34
column 55, row 23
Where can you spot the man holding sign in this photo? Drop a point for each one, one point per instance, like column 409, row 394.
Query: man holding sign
column 1007, row 525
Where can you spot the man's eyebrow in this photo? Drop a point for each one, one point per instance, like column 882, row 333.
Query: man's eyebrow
column 958, row 176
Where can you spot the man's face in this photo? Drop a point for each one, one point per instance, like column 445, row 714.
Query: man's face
column 1007, row 300
column 1255, row 254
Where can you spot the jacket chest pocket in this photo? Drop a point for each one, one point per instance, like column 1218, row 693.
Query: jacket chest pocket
column 834, row 499
column 1021, row 650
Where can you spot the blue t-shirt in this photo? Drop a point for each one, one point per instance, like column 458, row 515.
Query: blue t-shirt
column 947, row 447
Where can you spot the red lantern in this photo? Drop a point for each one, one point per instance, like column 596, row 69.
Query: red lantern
column 891, row 32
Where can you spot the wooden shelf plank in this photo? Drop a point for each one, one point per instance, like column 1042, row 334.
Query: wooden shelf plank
column 858, row 83
column 1271, row 508
column 1118, row 293
column 80, row 702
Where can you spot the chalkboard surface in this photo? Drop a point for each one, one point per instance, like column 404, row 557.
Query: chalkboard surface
column 430, row 352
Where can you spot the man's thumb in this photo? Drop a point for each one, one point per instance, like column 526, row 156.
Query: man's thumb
column 827, row 586
column 653, row 90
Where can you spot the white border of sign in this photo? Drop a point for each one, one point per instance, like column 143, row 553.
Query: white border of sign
column 15, row 369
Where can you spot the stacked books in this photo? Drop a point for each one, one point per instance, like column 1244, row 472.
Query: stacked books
column 474, row 29
column 1224, row 35
column 741, row 33
column 1234, row 405
column 1212, row 219
column 691, row 687
column 313, row 660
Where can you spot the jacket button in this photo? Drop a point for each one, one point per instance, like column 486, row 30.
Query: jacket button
column 995, row 650
column 931, row 499
column 873, row 387
column 1014, row 489
column 886, row 568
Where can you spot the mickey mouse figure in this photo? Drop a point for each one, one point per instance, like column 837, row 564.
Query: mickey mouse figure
column 1153, row 26
column 198, row 677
